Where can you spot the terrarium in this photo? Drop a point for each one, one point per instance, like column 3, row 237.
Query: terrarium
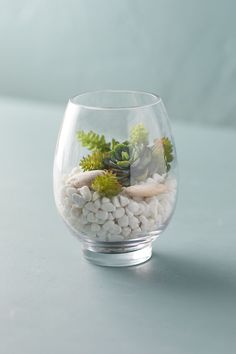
column 115, row 180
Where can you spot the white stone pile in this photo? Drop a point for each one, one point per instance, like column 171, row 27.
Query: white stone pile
column 118, row 218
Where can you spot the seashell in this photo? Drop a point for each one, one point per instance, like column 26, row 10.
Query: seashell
column 145, row 190
column 84, row 178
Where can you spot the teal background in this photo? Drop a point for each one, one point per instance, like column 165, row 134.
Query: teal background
column 183, row 300
column 183, row 50
column 52, row 301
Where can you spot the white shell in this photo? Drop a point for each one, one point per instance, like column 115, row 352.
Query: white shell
column 84, row 178
column 107, row 207
column 145, row 190
column 86, row 193
column 119, row 213
column 79, row 200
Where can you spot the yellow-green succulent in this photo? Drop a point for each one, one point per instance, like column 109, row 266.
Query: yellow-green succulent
column 106, row 185
column 139, row 134
column 93, row 161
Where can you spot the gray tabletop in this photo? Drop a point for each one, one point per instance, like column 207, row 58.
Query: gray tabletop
column 53, row 301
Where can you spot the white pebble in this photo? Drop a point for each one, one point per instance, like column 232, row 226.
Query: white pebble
column 95, row 227
column 105, row 200
column 87, row 230
column 154, row 202
column 63, row 192
column 116, row 229
column 168, row 209
column 133, row 207
column 71, row 220
column 164, row 204
column 78, row 226
column 86, row 193
column 110, row 216
column 95, row 196
column 97, row 204
column 119, row 213
column 101, row 214
column 79, row 200
column 150, row 180
column 144, row 227
column 143, row 219
column 75, row 211
column 161, row 209
column 159, row 220
column 115, row 238
column 67, row 202
column 90, row 206
column 158, row 178
column 91, row 217
column 123, row 221
column 102, row 235
column 85, row 211
column 83, row 220
column 107, row 207
column 99, row 221
column 133, row 233
column 66, row 212
column 172, row 197
column 70, row 191
column 133, row 222
column 147, row 211
column 144, row 204
column 126, row 231
column 138, row 210
column 115, row 201
column 171, row 183
column 152, row 223
column 154, row 210
column 141, row 209
column 128, row 212
column 108, row 225
column 123, row 201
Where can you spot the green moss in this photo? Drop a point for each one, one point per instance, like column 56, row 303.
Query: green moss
column 106, row 185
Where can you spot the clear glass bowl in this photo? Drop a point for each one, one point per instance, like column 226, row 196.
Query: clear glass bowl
column 115, row 180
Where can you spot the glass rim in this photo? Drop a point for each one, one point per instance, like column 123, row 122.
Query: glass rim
column 155, row 100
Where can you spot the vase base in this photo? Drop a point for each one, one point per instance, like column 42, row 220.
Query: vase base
column 119, row 259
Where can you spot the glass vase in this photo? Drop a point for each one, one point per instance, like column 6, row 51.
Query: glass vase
column 115, row 174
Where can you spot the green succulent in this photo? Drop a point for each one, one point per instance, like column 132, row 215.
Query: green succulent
column 168, row 151
column 118, row 161
column 107, row 185
column 93, row 161
column 139, row 170
column 129, row 162
column 162, row 154
column 139, row 134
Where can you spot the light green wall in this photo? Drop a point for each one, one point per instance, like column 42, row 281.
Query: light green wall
column 183, row 50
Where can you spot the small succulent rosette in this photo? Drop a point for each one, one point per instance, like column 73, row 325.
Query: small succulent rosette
column 121, row 190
